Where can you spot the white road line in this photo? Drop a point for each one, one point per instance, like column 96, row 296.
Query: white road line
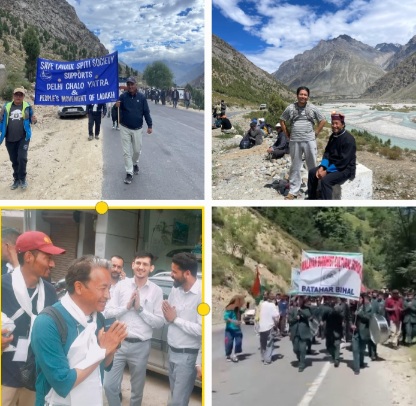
column 307, row 399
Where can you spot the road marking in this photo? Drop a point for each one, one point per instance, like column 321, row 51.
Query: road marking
column 307, row 399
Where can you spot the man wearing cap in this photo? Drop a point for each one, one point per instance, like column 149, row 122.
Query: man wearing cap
column 281, row 145
column 338, row 162
column 24, row 295
column 254, row 136
column 15, row 127
column 133, row 107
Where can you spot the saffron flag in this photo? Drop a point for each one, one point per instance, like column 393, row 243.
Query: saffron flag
column 256, row 288
column 87, row 81
column 331, row 274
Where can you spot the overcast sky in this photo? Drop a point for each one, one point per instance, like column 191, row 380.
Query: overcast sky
column 145, row 31
column 269, row 32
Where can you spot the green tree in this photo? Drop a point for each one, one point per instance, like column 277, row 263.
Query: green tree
column 31, row 45
column 158, row 75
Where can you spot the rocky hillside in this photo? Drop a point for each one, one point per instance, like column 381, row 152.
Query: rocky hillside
column 61, row 34
column 403, row 53
column 341, row 67
column 237, row 79
column 397, row 85
column 242, row 239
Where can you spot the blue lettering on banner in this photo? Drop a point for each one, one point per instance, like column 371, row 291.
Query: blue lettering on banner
column 328, row 290
column 86, row 81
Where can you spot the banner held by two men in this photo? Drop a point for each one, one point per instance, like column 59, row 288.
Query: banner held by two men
column 87, row 81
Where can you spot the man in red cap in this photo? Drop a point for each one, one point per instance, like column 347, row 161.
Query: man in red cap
column 24, row 295
column 338, row 163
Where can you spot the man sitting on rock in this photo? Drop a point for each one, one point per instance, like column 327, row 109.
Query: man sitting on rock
column 338, row 163
column 254, row 136
column 281, row 145
column 226, row 126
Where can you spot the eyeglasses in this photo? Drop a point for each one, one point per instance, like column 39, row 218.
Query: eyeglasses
column 18, row 94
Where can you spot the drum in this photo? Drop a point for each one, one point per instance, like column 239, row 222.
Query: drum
column 314, row 326
column 379, row 329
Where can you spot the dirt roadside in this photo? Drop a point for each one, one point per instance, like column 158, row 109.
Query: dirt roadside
column 62, row 163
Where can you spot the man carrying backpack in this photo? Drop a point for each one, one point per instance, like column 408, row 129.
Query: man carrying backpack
column 24, row 295
column 301, row 116
column 70, row 371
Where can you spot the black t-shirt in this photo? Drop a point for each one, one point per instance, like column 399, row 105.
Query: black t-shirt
column 15, row 130
column 226, row 124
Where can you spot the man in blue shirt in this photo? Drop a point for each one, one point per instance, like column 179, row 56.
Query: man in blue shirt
column 72, row 373
column 133, row 107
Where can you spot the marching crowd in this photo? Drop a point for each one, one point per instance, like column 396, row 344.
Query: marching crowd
column 334, row 319
column 66, row 352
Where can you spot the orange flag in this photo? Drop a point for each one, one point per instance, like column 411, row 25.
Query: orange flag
column 255, row 289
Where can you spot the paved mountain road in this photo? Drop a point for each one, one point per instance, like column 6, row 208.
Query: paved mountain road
column 171, row 163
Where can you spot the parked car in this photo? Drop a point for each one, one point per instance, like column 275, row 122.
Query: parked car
column 71, row 111
column 263, row 106
column 60, row 288
column 158, row 358
column 249, row 315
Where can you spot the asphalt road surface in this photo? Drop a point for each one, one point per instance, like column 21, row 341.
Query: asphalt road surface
column 156, row 391
column 249, row 382
column 171, row 162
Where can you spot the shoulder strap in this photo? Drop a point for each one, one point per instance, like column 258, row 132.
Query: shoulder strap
column 59, row 321
column 100, row 320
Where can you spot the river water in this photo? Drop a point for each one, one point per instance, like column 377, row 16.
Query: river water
column 398, row 127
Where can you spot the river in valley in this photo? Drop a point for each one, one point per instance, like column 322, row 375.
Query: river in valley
column 396, row 126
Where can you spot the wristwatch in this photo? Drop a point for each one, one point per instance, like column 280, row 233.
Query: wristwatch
column 140, row 309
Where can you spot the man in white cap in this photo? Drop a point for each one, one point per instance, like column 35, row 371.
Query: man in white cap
column 281, row 145
column 24, row 295
column 133, row 107
column 15, row 127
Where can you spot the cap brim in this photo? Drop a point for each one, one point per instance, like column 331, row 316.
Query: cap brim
column 52, row 250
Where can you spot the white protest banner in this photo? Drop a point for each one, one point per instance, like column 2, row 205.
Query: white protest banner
column 88, row 81
column 331, row 274
column 294, row 283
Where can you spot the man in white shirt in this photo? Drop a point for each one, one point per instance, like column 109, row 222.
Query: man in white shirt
column 268, row 318
column 185, row 327
column 137, row 302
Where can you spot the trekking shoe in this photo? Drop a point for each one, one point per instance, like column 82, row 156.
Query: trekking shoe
column 114, row 126
column 118, row 128
column 128, row 179
column 15, row 184
column 336, row 364
column 23, row 184
column 266, row 363
column 97, row 137
column 357, row 372
column 90, row 138
column 228, row 359
column 301, row 369
column 234, row 358
column 136, row 169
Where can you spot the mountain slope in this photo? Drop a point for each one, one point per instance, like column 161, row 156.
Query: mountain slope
column 404, row 52
column 234, row 76
column 397, row 85
column 338, row 67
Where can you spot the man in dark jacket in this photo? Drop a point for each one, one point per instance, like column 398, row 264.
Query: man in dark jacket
column 254, row 136
column 361, row 332
column 95, row 112
column 281, row 146
column 300, row 332
column 333, row 318
column 133, row 107
column 338, row 163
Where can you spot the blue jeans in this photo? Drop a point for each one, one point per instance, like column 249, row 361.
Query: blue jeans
column 233, row 338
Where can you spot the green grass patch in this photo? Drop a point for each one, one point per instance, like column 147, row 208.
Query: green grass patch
column 224, row 136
